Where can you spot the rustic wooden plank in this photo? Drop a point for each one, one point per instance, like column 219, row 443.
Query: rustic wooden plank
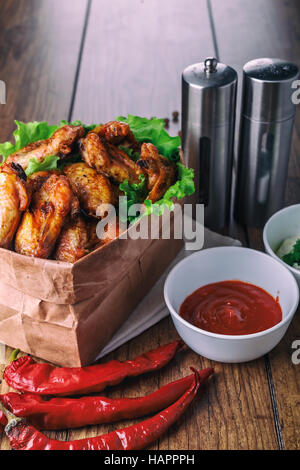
column 265, row 28
column 114, row 82
column 39, row 48
column 285, row 375
column 146, row 47
column 232, row 414
column 229, row 414
column 225, row 417
column 269, row 28
column 134, row 55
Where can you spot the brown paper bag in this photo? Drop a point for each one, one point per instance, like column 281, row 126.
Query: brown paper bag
column 66, row 313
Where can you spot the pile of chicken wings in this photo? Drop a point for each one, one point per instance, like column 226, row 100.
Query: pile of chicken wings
column 53, row 214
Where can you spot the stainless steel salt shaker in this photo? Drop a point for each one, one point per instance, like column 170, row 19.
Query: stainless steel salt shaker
column 208, row 118
column 265, row 137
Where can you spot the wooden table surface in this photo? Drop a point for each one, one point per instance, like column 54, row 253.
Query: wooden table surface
column 96, row 59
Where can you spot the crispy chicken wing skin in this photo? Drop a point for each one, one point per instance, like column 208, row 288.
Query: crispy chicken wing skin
column 79, row 237
column 73, row 242
column 42, row 222
column 91, row 188
column 36, row 180
column 14, row 199
column 116, row 132
column 160, row 171
column 108, row 159
column 111, row 233
column 59, row 144
column 95, row 235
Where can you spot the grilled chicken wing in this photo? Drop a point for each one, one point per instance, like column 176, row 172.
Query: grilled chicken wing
column 160, row 171
column 95, row 236
column 79, row 237
column 111, row 233
column 108, row 159
column 14, row 199
column 36, row 180
column 60, row 143
column 92, row 188
column 116, row 132
column 73, row 242
column 43, row 221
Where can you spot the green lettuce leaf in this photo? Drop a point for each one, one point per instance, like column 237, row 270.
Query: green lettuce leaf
column 135, row 193
column 50, row 163
column 183, row 187
column 27, row 133
column 152, row 130
column 135, row 156
column 145, row 130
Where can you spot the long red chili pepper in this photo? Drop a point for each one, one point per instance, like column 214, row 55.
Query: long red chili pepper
column 3, row 421
column 70, row 413
column 44, row 379
column 136, row 437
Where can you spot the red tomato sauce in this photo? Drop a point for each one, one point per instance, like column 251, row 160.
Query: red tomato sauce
column 231, row 308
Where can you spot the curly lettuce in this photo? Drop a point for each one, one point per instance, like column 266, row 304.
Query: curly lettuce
column 27, row 133
column 144, row 130
column 153, row 131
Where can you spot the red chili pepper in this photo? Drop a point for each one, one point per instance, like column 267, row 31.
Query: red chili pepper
column 136, row 437
column 44, row 379
column 70, row 413
column 3, row 421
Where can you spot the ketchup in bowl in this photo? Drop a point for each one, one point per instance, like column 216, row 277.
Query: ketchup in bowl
column 231, row 308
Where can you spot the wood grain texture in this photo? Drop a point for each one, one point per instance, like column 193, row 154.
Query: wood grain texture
column 131, row 59
column 269, row 28
column 39, row 47
column 146, row 46
column 39, row 50
column 134, row 54
column 233, row 411
column 265, row 28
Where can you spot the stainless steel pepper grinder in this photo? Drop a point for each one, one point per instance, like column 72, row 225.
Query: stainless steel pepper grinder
column 208, row 118
column 265, row 138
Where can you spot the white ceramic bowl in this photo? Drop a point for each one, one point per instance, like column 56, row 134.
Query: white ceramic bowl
column 282, row 225
column 231, row 263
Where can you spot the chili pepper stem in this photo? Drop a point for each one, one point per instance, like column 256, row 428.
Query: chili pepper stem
column 14, row 355
column 12, row 420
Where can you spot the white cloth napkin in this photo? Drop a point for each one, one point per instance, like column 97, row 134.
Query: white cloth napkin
column 152, row 308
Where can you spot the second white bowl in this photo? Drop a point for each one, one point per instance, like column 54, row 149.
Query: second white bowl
column 231, row 263
column 282, row 225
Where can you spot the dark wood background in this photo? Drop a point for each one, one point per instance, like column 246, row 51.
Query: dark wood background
column 96, row 59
